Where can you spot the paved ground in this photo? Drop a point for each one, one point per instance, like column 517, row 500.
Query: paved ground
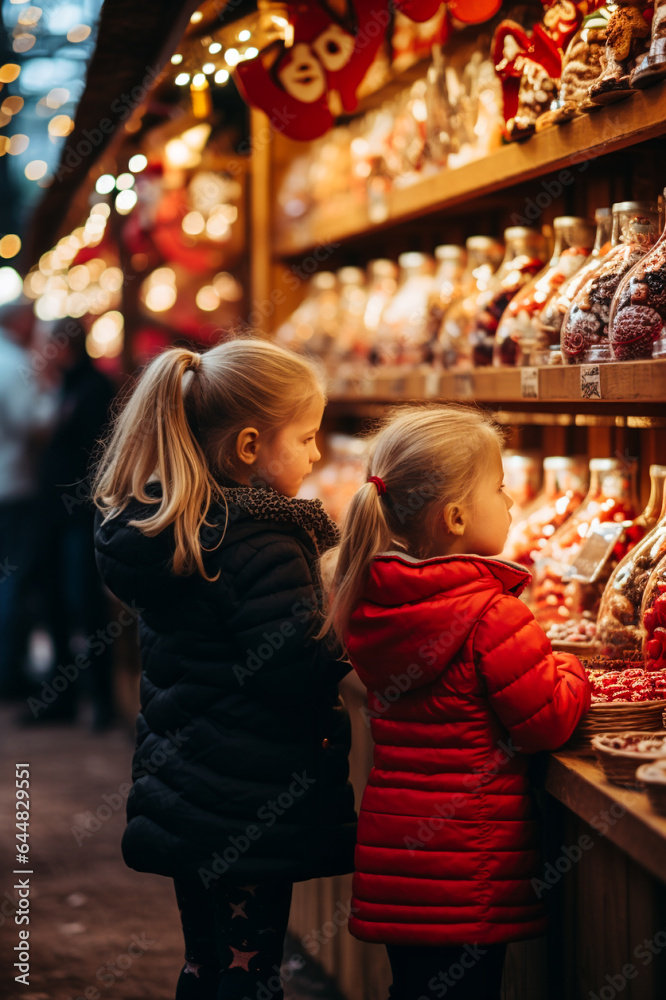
column 97, row 929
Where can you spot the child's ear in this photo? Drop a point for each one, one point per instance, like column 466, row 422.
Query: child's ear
column 247, row 445
column 454, row 519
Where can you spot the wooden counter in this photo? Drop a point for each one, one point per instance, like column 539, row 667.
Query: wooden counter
column 626, row 816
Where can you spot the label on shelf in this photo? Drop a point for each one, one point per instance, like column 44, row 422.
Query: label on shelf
column 590, row 382
column 529, row 383
column 463, row 386
column 594, row 552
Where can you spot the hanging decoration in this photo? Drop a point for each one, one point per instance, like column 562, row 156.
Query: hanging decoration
column 330, row 51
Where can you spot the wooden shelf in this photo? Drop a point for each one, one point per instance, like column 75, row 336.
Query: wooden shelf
column 637, row 383
column 580, row 784
column 567, row 149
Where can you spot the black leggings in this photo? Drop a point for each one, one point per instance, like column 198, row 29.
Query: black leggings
column 458, row 972
column 234, row 940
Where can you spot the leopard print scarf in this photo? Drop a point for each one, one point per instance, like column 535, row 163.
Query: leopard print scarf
column 266, row 504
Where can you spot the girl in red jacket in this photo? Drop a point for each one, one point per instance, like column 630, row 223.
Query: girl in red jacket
column 462, row 686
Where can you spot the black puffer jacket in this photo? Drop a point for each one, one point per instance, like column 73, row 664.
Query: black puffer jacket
column 240, row 771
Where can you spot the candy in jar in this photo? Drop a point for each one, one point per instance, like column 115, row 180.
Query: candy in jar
column 447, row 286
column 562, row 492
column 402, row 337
column 638, row 316
column 611, row 497
column 312, row 327
column 549, row 319
column 523, row 258
column 382, row 283
column 653, row 618
column 619, row 612
column 518, row 340
column 585, row 329
column 483, row 258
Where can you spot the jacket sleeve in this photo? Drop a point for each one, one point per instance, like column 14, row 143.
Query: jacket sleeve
column 539, row 696
column 275, row 618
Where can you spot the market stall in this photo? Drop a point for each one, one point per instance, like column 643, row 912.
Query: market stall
column 441, row 202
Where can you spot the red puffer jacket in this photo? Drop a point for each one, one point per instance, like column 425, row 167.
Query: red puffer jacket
column 462, row 683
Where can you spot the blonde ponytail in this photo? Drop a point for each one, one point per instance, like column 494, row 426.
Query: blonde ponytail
column 365, row 533
column 426, row 456
column 180, row 424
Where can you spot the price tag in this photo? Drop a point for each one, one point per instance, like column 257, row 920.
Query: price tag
column 432, row 382
column 529, row 383
column 464, row 386
column 594, row 552
column 590, row 382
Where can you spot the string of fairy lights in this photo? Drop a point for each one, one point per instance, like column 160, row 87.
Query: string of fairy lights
column 30, row 30
column 61, row 285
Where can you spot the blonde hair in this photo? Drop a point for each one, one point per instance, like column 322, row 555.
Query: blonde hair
column 180, row 423
column 427, row 456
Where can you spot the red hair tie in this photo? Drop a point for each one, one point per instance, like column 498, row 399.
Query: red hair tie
column 379, row 483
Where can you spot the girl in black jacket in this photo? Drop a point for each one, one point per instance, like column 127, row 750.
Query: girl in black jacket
column 240, row 771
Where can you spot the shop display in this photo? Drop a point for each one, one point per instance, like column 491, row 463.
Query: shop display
column 518, row 340
column 611, row 497
column 447, row 286
column 402, row 336
column 562, row 492
column 584, row 333
column 619, row 621
column 549, row 320
column 638, row 316
column 626, row 34
column 453, row 349
column 523, row 258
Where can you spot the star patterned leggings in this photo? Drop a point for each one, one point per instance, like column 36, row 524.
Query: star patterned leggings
column 234, row 940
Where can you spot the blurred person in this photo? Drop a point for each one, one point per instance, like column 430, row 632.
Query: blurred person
column 27, row 410
column 73, row 601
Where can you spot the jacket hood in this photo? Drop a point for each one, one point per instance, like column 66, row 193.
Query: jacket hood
column 415, row 615
column 137, row 568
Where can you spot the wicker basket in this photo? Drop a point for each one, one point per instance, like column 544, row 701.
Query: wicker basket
column 653, row 778
column 620, row 765
column 616, row 717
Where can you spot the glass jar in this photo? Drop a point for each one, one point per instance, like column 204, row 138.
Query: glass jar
column 524, row 257
column 518, row 341
column 484, row 256
column 584, row 335
column 382, row 284
column 611, row 497
column 312, row 327
column 549, row 319
column 521, row 479
column 638, row 314
column 562, row 492
column 403, row 327
column 653, row 617
column 619, row 628
column 447, row 286
column 351, row 340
